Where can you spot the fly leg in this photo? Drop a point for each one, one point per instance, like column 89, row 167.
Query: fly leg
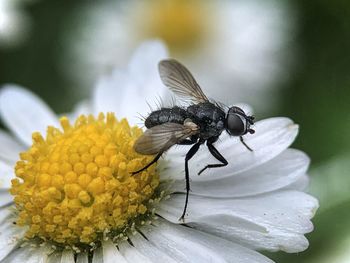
column 190, row 141
column 186, row 142
column 242, row 141
column 148, row 165
column 217, row 155
column 189, row 155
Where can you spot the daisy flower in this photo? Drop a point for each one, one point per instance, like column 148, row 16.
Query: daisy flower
column 14, row 23
column 73, row 198
column 243, row 44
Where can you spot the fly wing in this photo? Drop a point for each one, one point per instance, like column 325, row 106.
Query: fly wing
column 161, row 137
column 180, row 80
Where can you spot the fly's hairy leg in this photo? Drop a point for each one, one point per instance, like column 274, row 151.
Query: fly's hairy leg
column 191, row 141
column 148, row 165
column 189, row 155
column 218, row 157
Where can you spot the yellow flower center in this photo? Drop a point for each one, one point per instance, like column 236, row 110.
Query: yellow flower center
column 182, row 24
column 75, row 187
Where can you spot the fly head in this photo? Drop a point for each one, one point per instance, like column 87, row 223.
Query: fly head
column 237, row 123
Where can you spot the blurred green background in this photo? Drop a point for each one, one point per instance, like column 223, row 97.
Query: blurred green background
column 316, row 95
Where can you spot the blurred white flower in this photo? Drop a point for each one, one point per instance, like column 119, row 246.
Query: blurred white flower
column 257, row 202
column 237, row 49
column 330, row 180
column 337, row 254
column 329, row 183
column 14, row 24
column 338, row 251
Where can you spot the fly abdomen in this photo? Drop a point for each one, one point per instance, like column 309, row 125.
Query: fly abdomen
column 175, row 115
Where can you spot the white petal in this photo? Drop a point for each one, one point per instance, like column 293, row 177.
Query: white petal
column 131, row 254
column 29, row 255
column 82, row 107
column 280, row 172
column 110, row 92
column 10, row 235
column 150, row 251
column 272, row 137
column 111, row 253
column 55, row 257
column 6, row 175
column 127, row 92
column 10, row 148
column 144, row 62
column 82, row 258
column 274, row 221
column 182, row 249
column 301, row 184
column 97, row 257
column 66, row 256
column 5, row 215
column 24, row 113
column 143, row 70
column 5, row 197
column 188, row 245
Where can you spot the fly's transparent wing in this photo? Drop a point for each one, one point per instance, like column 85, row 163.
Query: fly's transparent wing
column 180, row 80
column 161, row 137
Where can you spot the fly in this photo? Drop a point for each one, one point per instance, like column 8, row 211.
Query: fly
column 201, row 122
